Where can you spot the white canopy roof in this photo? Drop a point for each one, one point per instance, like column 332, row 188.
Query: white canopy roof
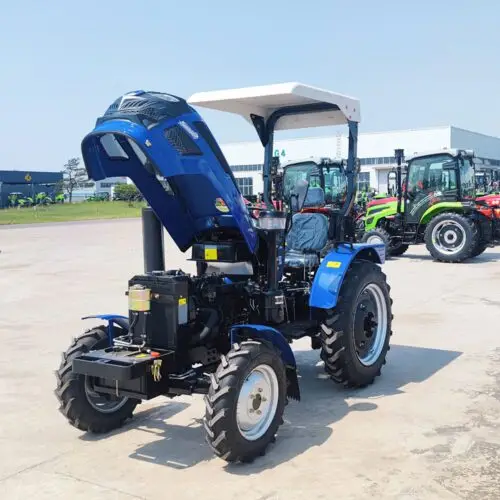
column 452, row 152
column 265, row 99
column 318, row 160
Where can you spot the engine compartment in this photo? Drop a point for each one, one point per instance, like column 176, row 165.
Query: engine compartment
column 179, row 325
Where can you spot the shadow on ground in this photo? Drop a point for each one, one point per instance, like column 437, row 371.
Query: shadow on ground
column 487, row 256
column 307, row 424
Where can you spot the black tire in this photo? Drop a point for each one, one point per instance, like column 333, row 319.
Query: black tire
column 223, row 433
column 379, row 233
column 338, row 330
column 397, row 250
column 480, row 248
column 382, row 235
column 392, row 246
column 456, row 225
column 74, row 397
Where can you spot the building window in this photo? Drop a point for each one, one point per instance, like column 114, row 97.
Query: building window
column 363, row 181
column 247, row 168
column 489, row 161
column 379, row 160
column 245, row 184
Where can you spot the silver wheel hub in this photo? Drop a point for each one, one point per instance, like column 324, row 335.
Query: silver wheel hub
column 448, row 237
column 373, row 316
column 374, row 240
column 257, row 402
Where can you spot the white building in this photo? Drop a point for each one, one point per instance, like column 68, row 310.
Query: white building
column 375, row 151
column 92, row 188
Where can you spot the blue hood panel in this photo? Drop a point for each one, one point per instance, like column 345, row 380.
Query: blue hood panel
column 165, row 148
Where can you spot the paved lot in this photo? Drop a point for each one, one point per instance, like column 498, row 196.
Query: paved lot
column 428, row 428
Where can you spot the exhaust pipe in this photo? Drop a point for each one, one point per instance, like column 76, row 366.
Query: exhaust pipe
column 152, row 241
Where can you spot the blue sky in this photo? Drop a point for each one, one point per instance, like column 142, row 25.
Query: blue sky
column 412, row 64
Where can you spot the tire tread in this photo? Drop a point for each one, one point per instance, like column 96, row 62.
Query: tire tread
column 219, row 418
column 336, row 353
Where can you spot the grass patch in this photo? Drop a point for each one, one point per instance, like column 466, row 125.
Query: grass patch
column 70, row 212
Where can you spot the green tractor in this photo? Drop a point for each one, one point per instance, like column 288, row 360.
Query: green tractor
column 436, row 205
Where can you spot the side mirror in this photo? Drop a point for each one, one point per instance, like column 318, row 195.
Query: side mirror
column 298, row 195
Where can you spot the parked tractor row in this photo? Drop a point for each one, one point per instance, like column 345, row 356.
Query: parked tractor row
column 439, row 198
column 436, row 204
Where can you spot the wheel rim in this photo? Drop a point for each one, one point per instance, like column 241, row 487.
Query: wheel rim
column 103, row 403
column 374, row 239
column 370, row 324
column 448, row 237
column 257, row 402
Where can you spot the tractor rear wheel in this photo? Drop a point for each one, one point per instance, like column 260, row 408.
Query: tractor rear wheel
column 355, row 335
column 80, row 404
column 451, row 237
column 245, row 402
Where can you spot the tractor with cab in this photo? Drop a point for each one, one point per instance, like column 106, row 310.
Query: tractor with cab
column 226, row 332
column 437, row 206
column 325, row 173
column 329, row 175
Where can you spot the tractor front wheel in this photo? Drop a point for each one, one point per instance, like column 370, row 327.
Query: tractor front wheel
column 398, row 249
column 377, row 236
column 355, row 335
column 393, row 246
column 80, row 404
column 451, row 237
column 245, row 402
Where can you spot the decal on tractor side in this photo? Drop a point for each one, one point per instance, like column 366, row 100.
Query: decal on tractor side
column 221, row 206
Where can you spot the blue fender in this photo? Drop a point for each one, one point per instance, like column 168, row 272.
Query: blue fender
column 121, row 321
column 276, row 338
column 333, row 268
column 267, row 333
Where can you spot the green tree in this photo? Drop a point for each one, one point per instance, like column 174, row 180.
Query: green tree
column 127, row 192
column 73, row 176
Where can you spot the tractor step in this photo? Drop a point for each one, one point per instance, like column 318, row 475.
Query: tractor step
column 299, row 329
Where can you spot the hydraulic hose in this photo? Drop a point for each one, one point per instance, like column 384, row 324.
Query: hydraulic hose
column 212, row 320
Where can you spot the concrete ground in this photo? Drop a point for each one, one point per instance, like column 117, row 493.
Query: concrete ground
column 427, row 429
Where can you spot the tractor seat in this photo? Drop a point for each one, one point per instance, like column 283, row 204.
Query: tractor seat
column 308, row 234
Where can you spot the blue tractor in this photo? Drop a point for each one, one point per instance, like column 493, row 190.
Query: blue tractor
column 261, row 281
